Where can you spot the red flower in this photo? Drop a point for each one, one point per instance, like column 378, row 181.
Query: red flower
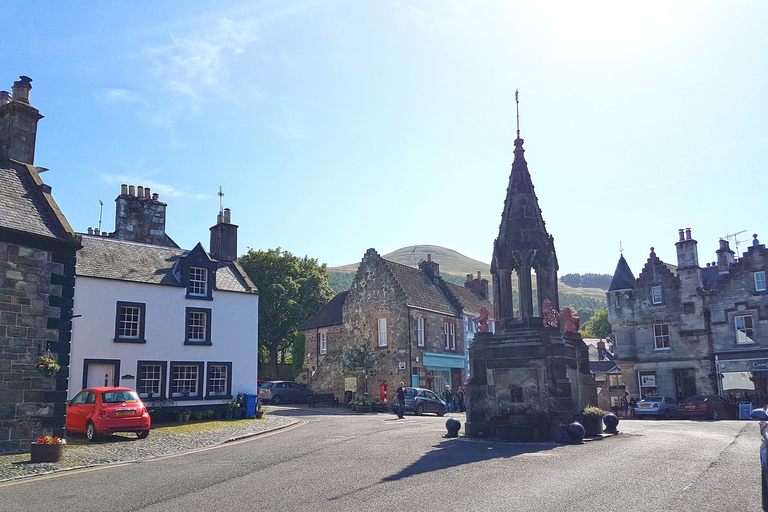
column 41, row 440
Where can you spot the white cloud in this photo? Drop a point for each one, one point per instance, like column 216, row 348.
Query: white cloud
column 117, row 96
column 164, row 190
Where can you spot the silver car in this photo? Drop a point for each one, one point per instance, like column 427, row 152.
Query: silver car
column 656, row 406
column 279, row 391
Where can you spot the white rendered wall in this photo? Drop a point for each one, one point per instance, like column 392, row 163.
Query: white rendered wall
column 234, row 331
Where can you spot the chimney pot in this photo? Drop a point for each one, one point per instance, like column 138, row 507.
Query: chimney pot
column 140, row 191
column 429, row 257
column 5, row 97
column 155, row 197
column 478, row 274
column 227, row 216
column 21, row 89
column 687, row 233
column 123, row 189
column 96, row 231
column 681, row 232
column 90, row 231
column 131, row 190
column 146, row 193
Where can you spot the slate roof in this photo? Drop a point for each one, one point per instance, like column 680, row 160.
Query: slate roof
column 710, row 277
column 328, row 315
column 623, row 279
column 420, row 291
column 26, row 204
column 110, row 258
column 470, row 301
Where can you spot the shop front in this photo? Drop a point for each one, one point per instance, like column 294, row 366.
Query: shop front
column 442, row 370
column 743, row 379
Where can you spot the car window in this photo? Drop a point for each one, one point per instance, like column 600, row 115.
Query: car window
column 282, row 385
column 91, row 398
column 118, row 397
column 430, row 394
column 80, row 397
column 410, row 392
column 266, row 385
column 653, row 399
column 294, row 385
column 422, row 393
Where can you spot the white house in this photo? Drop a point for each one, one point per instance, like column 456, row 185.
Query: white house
column 172, row 324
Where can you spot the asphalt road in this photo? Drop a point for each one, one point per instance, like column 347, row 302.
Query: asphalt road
column 376, row 462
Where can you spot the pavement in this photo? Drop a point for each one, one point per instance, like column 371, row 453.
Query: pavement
column 164, row 439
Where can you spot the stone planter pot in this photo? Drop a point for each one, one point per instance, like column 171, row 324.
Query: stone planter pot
column 363, row 408
column 185, row 416
column 44, row 452
column 379, row 408
column 593, row 425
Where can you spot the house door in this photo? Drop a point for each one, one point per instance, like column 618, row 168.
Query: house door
column 100, row 375
column 685, row 381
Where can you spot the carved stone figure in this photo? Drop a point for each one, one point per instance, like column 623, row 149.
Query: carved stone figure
column 482, row 320
column 570, row 322
column 550, row 314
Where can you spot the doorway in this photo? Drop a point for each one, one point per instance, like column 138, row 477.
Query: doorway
column 685, row 381
column 100, row 372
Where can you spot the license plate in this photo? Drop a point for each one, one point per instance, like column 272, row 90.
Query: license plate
column 644, row 405
column 125, row 413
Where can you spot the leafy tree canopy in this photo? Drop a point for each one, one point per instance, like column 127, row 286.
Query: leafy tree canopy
column 598, row 326
column 587, row 280
column 360, row 358
column 291, row 289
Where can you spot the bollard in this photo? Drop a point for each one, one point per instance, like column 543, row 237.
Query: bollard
column 611, row 421
column 576, row 432
column 452, row 426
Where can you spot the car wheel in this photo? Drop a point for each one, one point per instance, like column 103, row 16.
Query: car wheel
column 714, row 415
column 143, row 434
column 275, row 400
column 441, row 412
column 419, row 410
column 90, row 431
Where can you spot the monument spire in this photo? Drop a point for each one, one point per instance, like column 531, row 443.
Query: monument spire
column 523, row 245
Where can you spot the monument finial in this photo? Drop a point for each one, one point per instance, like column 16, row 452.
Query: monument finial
column 621, row 248
column 517, row 106
column 221, row 201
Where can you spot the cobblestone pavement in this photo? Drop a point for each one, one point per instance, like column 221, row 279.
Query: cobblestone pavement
column 162, row 440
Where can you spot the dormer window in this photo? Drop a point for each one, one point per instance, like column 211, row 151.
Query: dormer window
column 198, row 282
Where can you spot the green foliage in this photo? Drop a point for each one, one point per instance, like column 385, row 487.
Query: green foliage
column 598, row 326
column 291, row 289
column 298, row 352
column 591, row 410
column 360, row 358
column 340, row 281
column 602, row 281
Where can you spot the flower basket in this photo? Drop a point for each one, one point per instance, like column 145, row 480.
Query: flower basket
column 47, row 365
column 47, row 449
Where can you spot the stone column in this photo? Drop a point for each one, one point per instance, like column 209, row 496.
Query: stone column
column 505, row 307
column 526, row 291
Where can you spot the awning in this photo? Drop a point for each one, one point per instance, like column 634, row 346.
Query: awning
column 444, row 360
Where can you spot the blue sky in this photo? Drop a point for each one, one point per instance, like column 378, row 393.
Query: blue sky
column 335, row 126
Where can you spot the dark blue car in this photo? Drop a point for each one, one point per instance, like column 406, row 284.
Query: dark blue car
column 760, row 414
column 421, row 400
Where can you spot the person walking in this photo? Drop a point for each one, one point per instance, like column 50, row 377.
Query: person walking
column 448, row 397
column 460, row 399
column 400, row 400
column 625, row 404
column 632, row 405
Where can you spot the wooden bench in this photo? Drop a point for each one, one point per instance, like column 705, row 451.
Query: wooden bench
column 317, row 398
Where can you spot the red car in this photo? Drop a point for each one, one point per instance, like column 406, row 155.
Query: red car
column 104, row 411
column 708, row 406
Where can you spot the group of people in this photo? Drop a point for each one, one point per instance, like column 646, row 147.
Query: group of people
column 628, row 405
column 454, row 402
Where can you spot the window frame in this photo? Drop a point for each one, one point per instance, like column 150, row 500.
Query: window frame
column 747, row 332
column 654, row 295
column 661, row 337
column 379, row 331
column 420, row 331
column 163, row 378
column 323, row 342
column 453, row 336
column 446, row 336
column 199, row 381
column 228, row 384
column 142, row 307
column 195, row 341
column 194, row 283
column 760, row 284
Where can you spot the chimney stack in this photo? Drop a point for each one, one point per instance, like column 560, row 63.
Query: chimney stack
column 224, row 237
column 687, row 250
column 18, row 123
column 139, row 217
column 432, row 268
column 725, row 256
column 478, row 286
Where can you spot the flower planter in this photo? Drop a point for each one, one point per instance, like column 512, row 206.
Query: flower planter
column 379, row 407
column 593, row 425
column 46, row 452
column 363, row 408
column 258, row 414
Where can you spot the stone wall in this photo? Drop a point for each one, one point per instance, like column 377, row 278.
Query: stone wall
column 36, row 289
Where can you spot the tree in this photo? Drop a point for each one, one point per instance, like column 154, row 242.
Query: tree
column 360, row 358
column 298, row 352
column 598, row 326
column 291, row 289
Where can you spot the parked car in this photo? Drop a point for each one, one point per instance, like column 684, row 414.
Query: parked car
column 760, row 414
column 658, row 406
column 712, row 407
column 278, row 391
column 421, row 400
column 106, row 410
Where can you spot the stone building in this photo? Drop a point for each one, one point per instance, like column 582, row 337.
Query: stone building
column 411, row 318
column 37, row 267
column 685, row 330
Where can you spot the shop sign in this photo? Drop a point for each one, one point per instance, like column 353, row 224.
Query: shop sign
column 648, row 381
column 350, row 384
column 401, row 365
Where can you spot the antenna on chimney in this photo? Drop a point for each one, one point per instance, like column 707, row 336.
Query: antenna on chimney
column 736, row 241
column 221, row 201
column 101, row 210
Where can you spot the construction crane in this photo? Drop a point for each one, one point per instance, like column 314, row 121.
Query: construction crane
column 736, row 241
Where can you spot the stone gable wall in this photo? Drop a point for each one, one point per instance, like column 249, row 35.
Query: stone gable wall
column 36, row 289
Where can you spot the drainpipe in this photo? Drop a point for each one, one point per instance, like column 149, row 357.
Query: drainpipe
column 708, row 328
column 410, row 362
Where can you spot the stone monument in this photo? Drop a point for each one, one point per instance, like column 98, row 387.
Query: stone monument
column 531, row 377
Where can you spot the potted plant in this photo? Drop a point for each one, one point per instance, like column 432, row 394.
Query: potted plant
column 47, row 366
column 362, row 404
column 197, row 415
column 185, row 415
column 234, row 410
column 591, row 418
column 209, row 414
column 47, row 449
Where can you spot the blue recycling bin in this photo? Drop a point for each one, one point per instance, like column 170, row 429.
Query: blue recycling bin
column 251, row 401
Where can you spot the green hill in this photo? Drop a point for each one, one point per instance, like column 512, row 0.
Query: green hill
column 454, row 268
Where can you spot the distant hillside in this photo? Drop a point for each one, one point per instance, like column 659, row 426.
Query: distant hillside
column 454, row 268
